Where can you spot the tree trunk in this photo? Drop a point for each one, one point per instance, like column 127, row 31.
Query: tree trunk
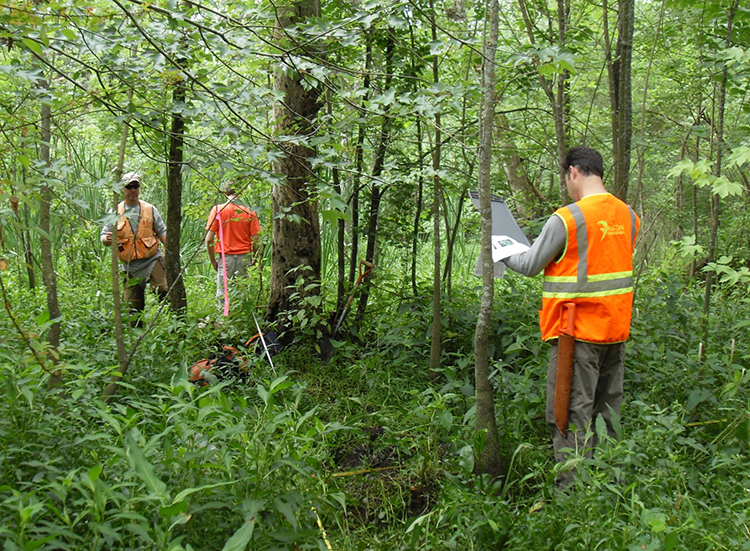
column 340, row 246
column 558, row 99
column 24, row 233
column 48, row 267
column 377, row 171
column 620, row 92
column 295, row 252
column 177, row 296
column 490, row 461
column 715, row 203
column 525, row 194
column 123, row 360
column 452, row 234
column 418, row 213
column 359, row 163
column 436, row 192
column 694, row 210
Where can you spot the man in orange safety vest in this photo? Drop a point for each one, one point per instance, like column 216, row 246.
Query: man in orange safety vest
column 585, row 250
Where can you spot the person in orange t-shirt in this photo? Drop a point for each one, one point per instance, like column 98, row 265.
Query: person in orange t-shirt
column 240, row 230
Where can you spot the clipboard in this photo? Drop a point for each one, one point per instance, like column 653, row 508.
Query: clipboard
column 503, row 223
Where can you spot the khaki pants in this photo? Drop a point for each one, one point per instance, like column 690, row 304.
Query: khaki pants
column 237, row 266
column 135, row 288
column 598, row 371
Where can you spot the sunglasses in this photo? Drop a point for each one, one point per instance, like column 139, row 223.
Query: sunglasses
column 134, row 185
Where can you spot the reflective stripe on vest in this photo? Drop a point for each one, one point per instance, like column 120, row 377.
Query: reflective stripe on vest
column 595, row 271
column 582, row 285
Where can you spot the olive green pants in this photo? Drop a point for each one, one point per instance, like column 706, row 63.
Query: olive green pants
column 135, row 288
column 596, row 390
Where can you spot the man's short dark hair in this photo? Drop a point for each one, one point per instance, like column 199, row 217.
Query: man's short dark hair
column 229, row 188
column 589, row 161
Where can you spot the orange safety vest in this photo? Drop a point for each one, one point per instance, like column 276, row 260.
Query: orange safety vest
column 595, row 271
column 144, row 244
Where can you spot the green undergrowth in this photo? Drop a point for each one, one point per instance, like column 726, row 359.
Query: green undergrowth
column 365, row 451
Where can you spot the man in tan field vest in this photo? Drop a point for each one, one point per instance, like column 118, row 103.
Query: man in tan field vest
column 139, row 230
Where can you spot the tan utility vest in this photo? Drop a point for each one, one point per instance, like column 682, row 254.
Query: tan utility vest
column 144, row 244
column 595, row 271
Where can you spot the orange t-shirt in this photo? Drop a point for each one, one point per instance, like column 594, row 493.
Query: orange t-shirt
column 239, row 225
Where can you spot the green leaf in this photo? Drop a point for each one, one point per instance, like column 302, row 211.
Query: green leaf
column 143, row 468
column 466, row 459
column 287, row 505
column 33, row 45
column 95, row 472
column 446, row 420
column 436, row 47
column 687, row 246
column 280, row 383
column 263, row 393
column 655, row 520
column 188, row 491
column 670, row 541
column 686, row 165
column 739, row 156
column 240, row 539
column 332, row 215
column 697, row 396
column 36, row 544
column 174, row 509
column 723, row 187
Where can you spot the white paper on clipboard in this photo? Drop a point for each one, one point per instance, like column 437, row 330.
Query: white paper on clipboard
column 503, row 225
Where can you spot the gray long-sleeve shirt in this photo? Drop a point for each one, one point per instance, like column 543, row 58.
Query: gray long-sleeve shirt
column 547, row 247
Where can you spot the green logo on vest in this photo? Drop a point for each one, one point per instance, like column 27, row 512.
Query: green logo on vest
column 615, row 229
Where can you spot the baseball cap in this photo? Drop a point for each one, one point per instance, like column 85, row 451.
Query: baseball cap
column 131, row 178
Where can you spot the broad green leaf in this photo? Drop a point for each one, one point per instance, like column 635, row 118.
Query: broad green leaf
column 332, row 215
column 723, row 187
column 466, row 459
column 446, row 420
column 94, row 473
column 36, row 544
column 655, row 520
column 734, row 55
column 697, row 396
column 670, row 541
column 240, row 539
column 263, row 393
column 33, row 45
column 287, row 505
column 687, row 246
column 686, row 165
column 436, row 47
column 188, row 491
column 280, row 383
column 143, row 468
column 174, row 509
column 739, row 156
